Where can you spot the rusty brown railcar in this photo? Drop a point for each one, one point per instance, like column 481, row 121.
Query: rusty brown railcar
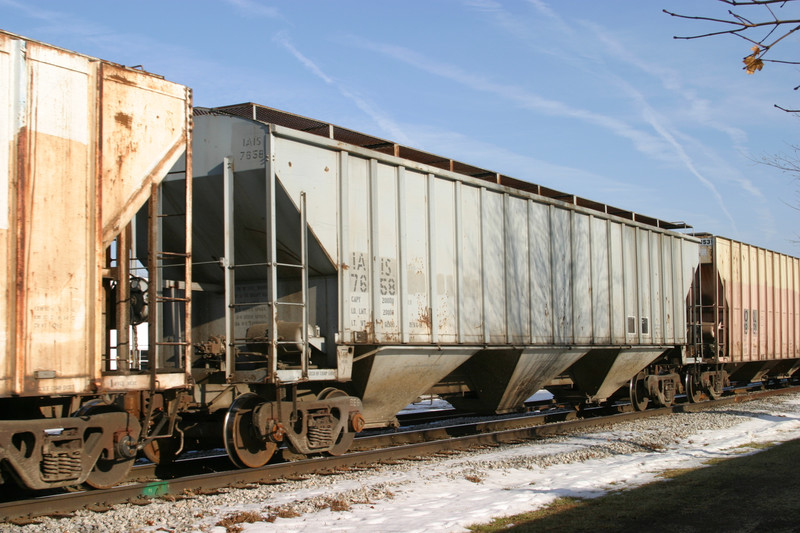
column 750, row 309
column 85, row 143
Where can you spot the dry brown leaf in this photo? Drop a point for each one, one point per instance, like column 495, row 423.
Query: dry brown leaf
column 752, row 63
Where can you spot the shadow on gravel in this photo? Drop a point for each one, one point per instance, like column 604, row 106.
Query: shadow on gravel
column 755, row 493
column 755, row 414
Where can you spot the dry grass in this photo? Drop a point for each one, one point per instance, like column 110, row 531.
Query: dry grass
column 674, row 473
column 757, row 445
column 232, row 522
column 560, row 505
column 286, row 512
column 339, row 505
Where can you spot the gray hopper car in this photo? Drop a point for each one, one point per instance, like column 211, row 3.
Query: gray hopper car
column 325, row 256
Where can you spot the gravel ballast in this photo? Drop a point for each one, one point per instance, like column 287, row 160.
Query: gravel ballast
column 447, row 493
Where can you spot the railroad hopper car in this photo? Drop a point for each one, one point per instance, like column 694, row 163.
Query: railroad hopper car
column 748, row 311
column 84, row 142
column 332, row 266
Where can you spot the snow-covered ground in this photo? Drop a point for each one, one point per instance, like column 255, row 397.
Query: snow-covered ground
column 450, row 493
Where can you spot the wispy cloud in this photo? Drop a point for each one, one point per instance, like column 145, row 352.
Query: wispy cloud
column 669, row 78
column 35, row 12
column 253, row 8
column 522, row 166
column 59, row 22
column 658, row 125
column 591, row 36
column 643, row 141
column 517, row 26
column 376, row 114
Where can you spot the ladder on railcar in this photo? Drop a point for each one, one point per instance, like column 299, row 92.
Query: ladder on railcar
column 169, row 352
column 142, row 291
column 272, row 301
column 709, row 323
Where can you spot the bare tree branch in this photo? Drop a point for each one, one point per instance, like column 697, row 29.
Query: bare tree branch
column 753, row 2
column 764, row 31
column 747, row 28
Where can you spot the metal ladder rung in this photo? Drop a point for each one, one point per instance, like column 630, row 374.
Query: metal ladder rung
column 249, row 304
column 291, row 304
column 172, row 299
column 290, row 265
column 172, row 254
column 248, row 265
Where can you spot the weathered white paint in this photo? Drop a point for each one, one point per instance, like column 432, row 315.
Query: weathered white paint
column 54, row 198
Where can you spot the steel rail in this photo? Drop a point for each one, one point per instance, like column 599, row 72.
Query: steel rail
column 219, row 462
column 140, row 493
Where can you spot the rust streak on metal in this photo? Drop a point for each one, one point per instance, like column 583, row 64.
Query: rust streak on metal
column 120, row 79
column 188, row 221
column 97, row 189
column 425, row 318
column 21, row 185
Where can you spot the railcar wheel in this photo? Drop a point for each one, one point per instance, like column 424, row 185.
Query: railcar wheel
column 243, row 445
column 342, row 441
column 638, row 392
column 693, row 389
column 109, row 471
column 162, row 451
column 715, row 387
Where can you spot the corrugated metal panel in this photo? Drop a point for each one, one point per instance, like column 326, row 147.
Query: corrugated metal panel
column 669, row 279
column 796, row 322
column 753, row 276
column 474, row 263
column 54, row 308
column 582, row 282
column 760, row 298
column 657, row 271
column 444, row 255
column 471, row 312
column 493, row 254
column 600, row 282
column 541, row 269
column 11, row 102
column 761, row 288
column 428, row 256
column 84, row 149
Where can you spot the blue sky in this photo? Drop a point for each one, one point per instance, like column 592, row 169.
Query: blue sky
column 591, row 97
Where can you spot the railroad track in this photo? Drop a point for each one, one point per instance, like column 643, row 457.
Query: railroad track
column 367, row 452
